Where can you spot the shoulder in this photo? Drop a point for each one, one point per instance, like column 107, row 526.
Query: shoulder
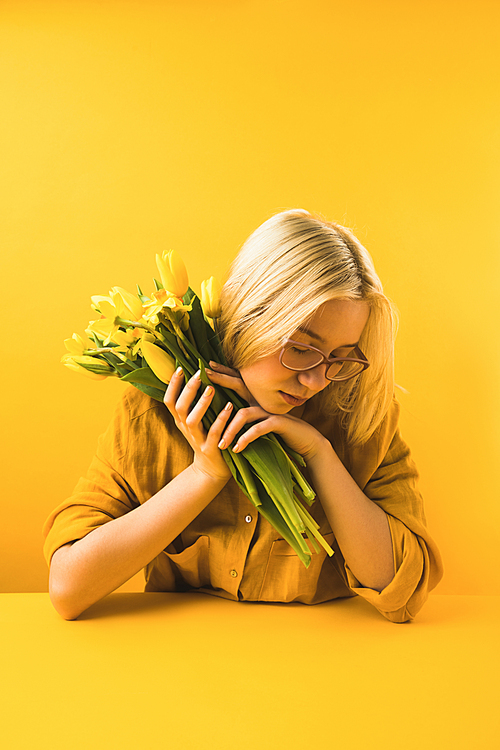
column 138, row 420
column 153, row 450
column 385, row 456
column 134, row 403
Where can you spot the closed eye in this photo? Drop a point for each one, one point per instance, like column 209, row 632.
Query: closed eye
column 344, row 352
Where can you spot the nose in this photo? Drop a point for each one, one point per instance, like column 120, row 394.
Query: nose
column 314, row 379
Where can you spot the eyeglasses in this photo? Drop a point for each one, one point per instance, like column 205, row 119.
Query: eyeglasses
column 300, row 357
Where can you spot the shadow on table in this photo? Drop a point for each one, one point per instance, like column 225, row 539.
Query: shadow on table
column 438, row 610
column 117, row 605
column 138, row 603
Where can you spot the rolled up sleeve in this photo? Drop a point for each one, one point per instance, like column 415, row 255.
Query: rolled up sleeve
column 417, row 561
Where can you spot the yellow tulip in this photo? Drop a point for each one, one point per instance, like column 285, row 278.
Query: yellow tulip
column 126, row 339
column 107, row 306
column 166, row 304
column 105, row 328
column 210, row 297
column 161, row 298
column 133, row 305
column 76, row 345
column 139, row 342
column 173, row 273
column 97, row 365
column 159, row 361
column 119, row 303
column 68, row 362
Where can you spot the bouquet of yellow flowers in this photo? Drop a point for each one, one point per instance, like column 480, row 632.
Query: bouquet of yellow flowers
column 142, row 340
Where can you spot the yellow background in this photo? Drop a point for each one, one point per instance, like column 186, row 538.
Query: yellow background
column 132, row 127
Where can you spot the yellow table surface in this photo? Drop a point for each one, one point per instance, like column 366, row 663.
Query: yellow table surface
column 194, row 671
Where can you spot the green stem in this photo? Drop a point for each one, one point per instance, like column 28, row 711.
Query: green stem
column 247, row 476
column 312, row 540
column 135, row 324
column 318, row 536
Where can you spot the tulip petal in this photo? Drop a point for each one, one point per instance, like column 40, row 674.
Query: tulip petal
column 210, row 297
column 94, row 364
column 97, row 299
column 108, row 309
column 159, row 361
column 83, row 371
column 167, row 279
column 131, row 302
column 178, row 270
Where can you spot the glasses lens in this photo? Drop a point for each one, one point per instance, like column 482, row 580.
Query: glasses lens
column 344, row 370
column 300, row 358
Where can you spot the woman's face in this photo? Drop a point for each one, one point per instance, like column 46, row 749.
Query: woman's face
column 336, row 324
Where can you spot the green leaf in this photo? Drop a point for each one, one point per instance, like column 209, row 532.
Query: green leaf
column 293, row 454
column 144, row 376
column 200, row 329
column 274, row 472
column 188, row 296
column 247, row 478
column 118, row 364
column 95, row 338
column 298, row 491
column 141, row 296
column 158, row 284
column 271, row 514
column 306, row 490
column 172, row 347
column 206, row 338
column 218, row 401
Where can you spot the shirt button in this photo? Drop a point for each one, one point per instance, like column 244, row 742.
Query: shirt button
column 233, row 573
column 248, row 519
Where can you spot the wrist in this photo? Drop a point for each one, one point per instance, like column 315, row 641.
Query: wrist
column 322, row 451
column 208, row 481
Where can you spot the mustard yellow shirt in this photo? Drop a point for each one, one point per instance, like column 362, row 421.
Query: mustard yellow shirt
column 230, row 550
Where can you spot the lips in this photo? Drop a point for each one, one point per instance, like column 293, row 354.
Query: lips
column 293, row 400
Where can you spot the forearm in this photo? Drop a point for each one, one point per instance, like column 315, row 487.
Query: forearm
column 360, row 526
column 105, row 558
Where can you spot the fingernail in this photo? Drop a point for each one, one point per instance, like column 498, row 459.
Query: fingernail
column 208, row 390
column 178, row 371
column 209, row 372
column 222, row 444
column 213, row 364
column 228, row 406
column 197, row 374
column 236, row 448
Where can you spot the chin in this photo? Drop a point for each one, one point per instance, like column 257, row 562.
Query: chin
column 273, row 407
column 280, row 409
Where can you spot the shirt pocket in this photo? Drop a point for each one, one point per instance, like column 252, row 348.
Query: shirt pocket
column 287, row 579
column 191, row 565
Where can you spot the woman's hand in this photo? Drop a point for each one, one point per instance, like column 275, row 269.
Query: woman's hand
column 229, row 378
column 208, row 458
column 296, row 433
column 299, row 435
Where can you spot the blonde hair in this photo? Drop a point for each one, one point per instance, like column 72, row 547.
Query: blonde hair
column 289, row 266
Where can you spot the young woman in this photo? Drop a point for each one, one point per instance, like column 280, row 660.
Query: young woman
column 309, row 337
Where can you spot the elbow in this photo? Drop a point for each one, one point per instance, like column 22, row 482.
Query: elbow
column 66, row 612
column 63, row 601
column 62, row 593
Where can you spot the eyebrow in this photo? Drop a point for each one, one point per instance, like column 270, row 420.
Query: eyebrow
column 319, row 338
